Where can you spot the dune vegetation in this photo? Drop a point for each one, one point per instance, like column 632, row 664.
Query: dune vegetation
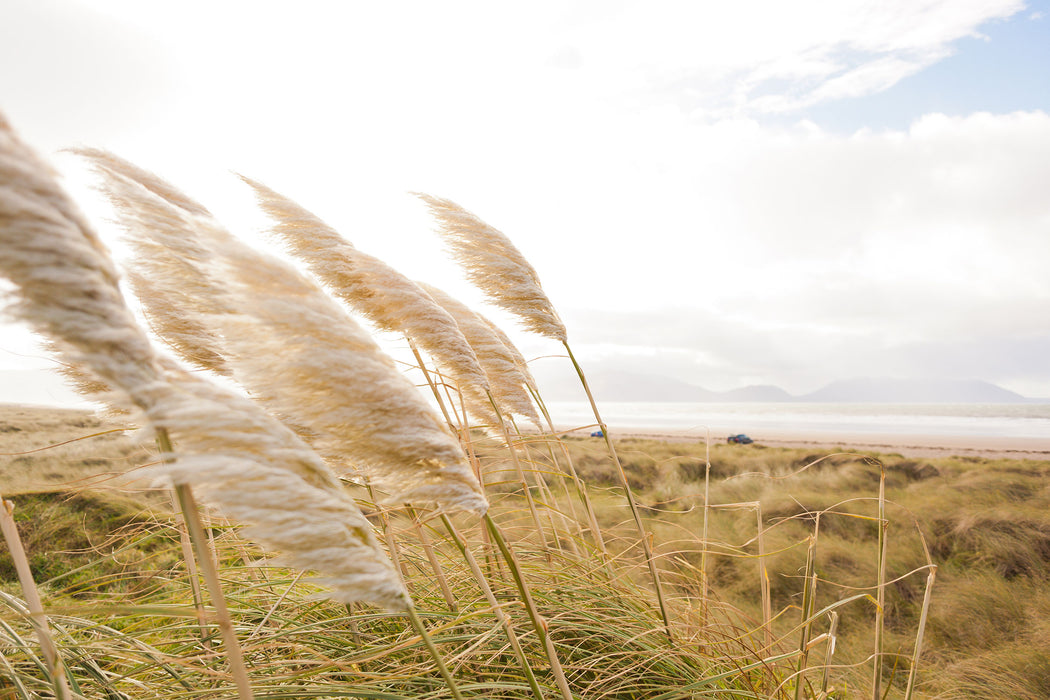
column 108, row 561
column 298, row 518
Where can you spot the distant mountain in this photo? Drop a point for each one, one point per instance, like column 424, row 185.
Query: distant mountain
column 882, row 390
column 763, row 392
column 630, row 386
column 609, row 385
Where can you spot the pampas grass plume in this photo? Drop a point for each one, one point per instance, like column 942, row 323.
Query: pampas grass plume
column 496, row 359
column 495, row 266
column 292, row 346
column 245, row 463
column 384, row 296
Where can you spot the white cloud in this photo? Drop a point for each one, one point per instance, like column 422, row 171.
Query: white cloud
column 621, row 145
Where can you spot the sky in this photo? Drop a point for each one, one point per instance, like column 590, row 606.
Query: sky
column 721, row 193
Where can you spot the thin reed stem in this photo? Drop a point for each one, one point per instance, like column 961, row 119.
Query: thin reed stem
column 521, row 475
column 39, row 620
column 581, row 487
column 393, row 548
column 497, row 609
column 913, row 672
column 833, row 629
column 430, row 382
column 571, row 533
column 809, row 591
column 629, row 494
column 428, row 549
column 191, row 570
column 538, row 623
column 547, row 497
column 191, row 515
column 880, row 610
column 704, row 537
column 434, row 653
column 763, row 572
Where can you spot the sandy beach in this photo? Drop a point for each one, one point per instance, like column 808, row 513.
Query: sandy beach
column 908, row 445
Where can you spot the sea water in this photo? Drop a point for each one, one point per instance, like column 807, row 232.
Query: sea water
column 971, row 420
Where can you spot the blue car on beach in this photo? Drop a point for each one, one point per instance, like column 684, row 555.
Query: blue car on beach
column 740, row 439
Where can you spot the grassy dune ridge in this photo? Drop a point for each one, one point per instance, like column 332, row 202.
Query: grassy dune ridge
column 105, row 553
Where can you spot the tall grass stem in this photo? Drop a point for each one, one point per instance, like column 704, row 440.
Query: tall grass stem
column 913, row 671
column 628, row 493
column 880, row 610
column 191, row 569
column 538, row 623
column 39, row 620
column 497, row 609
column 434, row 653
column 191, row 515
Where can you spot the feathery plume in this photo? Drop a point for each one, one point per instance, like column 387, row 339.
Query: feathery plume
column 519, row 360
column 384, row 296
column 340, row 384
column 498, row 362
column 294, row 348
column 66, row 285
column 496, row 267
column 66, row 288
column 257, row 471
column 171, row 276
column 162, row 188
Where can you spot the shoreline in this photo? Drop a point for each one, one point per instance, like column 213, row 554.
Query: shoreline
column 904, row 444
column 911, row 445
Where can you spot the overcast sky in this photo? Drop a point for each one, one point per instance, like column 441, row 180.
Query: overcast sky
column 725, row 193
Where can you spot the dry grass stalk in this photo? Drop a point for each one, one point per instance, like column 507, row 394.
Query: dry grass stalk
column 809, row 591
column 533, row 390
column 55, row 666
column 539, row 624
column 494, row 603
column 378, row 292
column 435, row 565
column 195, row 532
column 496, row 267
column 829, row 651
column 629, row 494
column 880, row 604
column 191, row 568
column 581, row 488
column 923, row 617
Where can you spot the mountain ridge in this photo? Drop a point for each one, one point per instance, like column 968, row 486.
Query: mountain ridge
column 610, row 385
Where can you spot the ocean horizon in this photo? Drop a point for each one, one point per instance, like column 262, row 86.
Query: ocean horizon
column 1022, row 420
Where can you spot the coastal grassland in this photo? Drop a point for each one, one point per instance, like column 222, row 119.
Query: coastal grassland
column 105, row 553
column 984, row 522
column 45, row 447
